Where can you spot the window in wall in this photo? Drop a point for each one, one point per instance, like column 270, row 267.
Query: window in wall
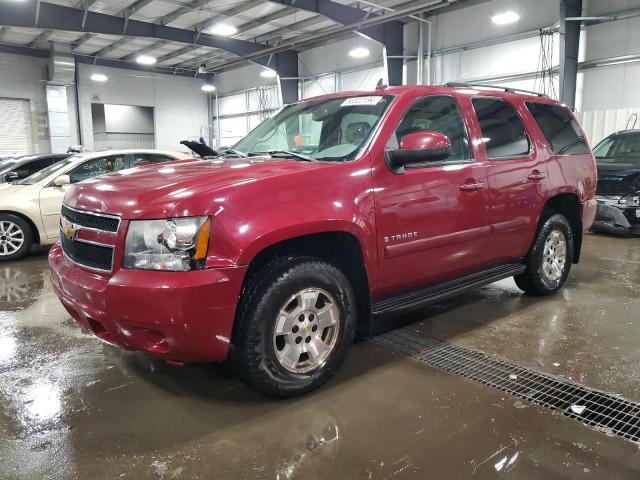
column 97, row 166
column 436, row 113
column 559, row 128
column 503, row 133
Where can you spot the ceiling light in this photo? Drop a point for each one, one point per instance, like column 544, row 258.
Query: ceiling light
column 146, row 59
column 208, row 88
column 99, row 77
column 360, row 52
column 268, row 73
column 223, row 30
column 505, row 18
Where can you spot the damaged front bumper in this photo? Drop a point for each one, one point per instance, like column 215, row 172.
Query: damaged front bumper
column 614, row 217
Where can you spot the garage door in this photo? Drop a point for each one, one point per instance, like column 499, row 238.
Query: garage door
column 15, row 126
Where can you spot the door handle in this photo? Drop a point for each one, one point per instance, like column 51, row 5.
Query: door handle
column 470, row 187
column 536, row 176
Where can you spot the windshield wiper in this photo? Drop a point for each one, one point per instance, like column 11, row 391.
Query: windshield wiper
column 231, row 151
column 299, row 156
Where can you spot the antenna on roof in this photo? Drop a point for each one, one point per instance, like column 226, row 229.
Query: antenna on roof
column 380, row 85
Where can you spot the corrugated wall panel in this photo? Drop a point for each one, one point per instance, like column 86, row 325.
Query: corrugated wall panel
column 15, row 126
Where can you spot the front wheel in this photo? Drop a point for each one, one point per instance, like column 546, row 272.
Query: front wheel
column 16, row 237
column 294, row 327
column 550, row 257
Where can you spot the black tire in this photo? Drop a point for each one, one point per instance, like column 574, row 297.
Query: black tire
column 253, row 351
column 26, row 232
column 534, row 279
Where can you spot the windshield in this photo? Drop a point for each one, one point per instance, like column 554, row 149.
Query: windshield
column 330, row 130
column 45, row 172
column 619, row 149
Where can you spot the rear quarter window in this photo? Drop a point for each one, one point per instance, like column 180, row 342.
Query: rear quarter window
column 559, row 128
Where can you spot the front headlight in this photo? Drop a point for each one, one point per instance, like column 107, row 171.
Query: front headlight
column 176, row 244
column 630, row 200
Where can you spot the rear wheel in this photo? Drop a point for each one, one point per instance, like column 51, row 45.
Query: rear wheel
column 549, row 260
column 294, row 327
column 16, row 237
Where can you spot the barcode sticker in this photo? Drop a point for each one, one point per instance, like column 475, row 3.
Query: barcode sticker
column 355, row 101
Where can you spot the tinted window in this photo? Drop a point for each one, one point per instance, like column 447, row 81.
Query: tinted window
column 559, row 128
column 502, row 131
column 436, row 114
column 30, row 168
column 147, row 158
column 97, row 166
column 623, row 148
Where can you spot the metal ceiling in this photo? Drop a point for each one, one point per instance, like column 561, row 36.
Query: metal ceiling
column 174, row 31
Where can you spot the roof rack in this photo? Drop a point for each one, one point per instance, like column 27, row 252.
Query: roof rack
column 506, row 89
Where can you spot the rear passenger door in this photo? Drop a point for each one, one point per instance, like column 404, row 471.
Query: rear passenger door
column 516, row 175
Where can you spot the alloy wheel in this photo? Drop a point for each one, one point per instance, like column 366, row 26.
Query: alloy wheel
column 11, row 238
column 554, row 256
column 306, row 330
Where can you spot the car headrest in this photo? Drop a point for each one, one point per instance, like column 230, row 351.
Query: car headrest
column 356, row 132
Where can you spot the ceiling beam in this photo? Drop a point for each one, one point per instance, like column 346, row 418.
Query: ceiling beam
column 43, row 37
column 110, row 48
column 180, row 11
column 231, row 12
column 82, row 40
column 59, row 17
column 272, row 17
column 133, row 8
column 177, row 53
column 144, row 51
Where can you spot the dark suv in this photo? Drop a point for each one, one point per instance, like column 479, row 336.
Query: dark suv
column 335, row 211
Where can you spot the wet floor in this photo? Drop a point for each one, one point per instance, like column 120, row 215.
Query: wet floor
column 71, row 407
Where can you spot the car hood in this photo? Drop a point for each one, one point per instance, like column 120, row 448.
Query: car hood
column 176, row 188
column 619, row 178
column 199, row 148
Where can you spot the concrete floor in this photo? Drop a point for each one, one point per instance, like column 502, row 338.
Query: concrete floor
column 71, row 407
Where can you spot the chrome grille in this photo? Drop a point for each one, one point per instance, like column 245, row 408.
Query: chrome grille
column 88, row 254
column 95, row 221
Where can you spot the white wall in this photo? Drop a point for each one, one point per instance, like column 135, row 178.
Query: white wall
column 180, row 107
column 23, row 77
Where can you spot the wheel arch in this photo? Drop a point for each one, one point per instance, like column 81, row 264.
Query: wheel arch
column 567, row 204
column 338, row 247
column 31, row 223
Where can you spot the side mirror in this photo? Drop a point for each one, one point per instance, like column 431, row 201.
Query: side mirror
column 420, row 147
column 11, row 176
column 62, row 180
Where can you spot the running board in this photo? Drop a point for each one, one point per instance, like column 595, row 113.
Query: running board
column 442, row 291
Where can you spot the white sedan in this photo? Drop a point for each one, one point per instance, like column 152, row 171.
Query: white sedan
column 30, row 208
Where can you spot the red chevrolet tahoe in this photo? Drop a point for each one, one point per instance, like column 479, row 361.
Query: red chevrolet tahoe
column 332, row 212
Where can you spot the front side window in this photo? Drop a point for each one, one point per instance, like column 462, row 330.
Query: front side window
column 559, row 128
column 46, row 172
column 30, row 168
column 436, row 113
column 330, row 130
column 97, row 166
column 503, row 133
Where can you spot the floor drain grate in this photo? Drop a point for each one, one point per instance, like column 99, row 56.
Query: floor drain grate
column 598, row 409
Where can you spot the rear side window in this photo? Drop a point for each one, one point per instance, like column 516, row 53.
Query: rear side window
column 559, row 128
column 503, row 133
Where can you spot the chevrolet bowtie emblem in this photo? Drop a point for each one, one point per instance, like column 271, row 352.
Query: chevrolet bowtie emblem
column 69, row 229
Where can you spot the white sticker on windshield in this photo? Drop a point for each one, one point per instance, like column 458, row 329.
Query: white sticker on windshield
column 355, row 101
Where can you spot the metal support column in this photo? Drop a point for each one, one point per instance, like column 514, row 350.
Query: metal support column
column 569, row 45
column 286, row 64
column 393, row 42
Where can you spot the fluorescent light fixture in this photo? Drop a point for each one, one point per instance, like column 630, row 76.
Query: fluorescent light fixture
column 99, row 77
column 207, row 87
column 505, row 18
column 146, row 59
column 223, row 30
column 359, row 52
column 268, row 73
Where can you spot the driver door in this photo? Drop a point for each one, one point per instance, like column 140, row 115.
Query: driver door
column 432, row 218
column 51, row 196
